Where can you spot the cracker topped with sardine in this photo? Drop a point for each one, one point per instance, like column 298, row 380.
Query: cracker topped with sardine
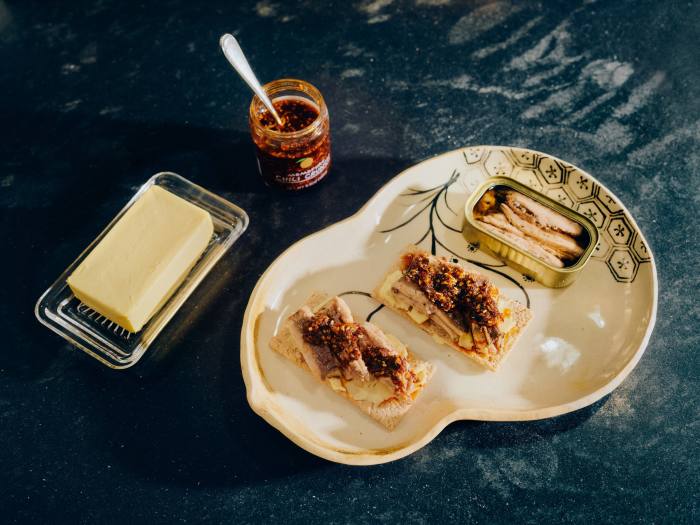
column 459, row 308
column 357, row 360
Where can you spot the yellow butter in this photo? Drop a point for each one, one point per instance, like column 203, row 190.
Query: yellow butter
column 439, row 339
column 420, row 371
column 508, row 319
column 466, row 340
column 137, row 266
column 336, row 384
column 397, row 345
column 417, row 316
column 508, row 324
column 385, row 292
column 372, row 391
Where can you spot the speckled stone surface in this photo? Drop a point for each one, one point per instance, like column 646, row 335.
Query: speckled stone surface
column 97, row 96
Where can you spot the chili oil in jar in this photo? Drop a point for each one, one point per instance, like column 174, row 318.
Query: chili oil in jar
column 299, row 154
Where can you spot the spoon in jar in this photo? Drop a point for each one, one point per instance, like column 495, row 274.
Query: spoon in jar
column 234, row 54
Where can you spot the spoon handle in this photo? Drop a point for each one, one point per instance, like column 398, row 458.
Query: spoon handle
column 234, row 54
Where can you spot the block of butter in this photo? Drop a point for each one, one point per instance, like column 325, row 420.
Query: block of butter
column 142, row 260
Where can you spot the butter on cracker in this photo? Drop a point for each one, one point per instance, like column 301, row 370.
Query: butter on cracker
column 142, row 260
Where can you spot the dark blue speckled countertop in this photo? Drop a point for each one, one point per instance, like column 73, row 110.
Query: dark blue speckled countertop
column 97, row 96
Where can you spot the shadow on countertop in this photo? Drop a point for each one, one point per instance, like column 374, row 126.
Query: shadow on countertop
column 184, row 418
column 48, row 157
column 496, row 434
column 46, row 195
column 58, row 149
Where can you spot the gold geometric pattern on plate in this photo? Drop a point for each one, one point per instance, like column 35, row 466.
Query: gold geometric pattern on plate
column 620, row 246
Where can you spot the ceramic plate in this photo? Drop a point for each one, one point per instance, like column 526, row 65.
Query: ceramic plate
column 583, row 341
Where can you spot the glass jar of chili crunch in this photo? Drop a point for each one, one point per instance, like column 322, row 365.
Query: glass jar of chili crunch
column 299, row 154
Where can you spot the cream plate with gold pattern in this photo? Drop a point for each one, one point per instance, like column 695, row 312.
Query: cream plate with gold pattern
column 583, row 341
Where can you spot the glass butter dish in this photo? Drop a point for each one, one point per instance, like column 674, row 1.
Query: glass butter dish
column 103, row 339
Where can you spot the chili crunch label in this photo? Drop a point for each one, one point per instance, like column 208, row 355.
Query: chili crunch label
column 303, row 174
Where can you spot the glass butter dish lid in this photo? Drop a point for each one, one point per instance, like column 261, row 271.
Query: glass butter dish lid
column 111, row 344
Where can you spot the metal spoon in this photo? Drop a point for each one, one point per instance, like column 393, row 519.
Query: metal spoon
column 234, row 54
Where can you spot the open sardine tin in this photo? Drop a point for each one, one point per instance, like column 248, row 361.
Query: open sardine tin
column 516, row 256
